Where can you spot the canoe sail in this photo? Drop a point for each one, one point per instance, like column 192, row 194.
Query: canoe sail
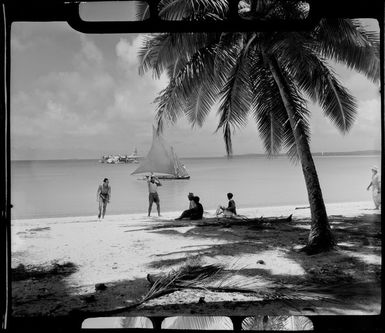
column 162, row 159
column 179, row 168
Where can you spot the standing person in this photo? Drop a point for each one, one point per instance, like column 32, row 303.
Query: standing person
column 153, row 196
column 103, row 196
column 375, row 184
column 190, row 197
column 195, row 213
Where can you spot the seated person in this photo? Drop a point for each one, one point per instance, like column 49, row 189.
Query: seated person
column 230, row 210
column 195, row 213
column 191, row 201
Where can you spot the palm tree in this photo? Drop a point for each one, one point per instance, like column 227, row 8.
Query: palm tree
column 269, row 75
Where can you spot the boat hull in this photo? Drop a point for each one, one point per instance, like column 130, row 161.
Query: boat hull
column 168, row 177
column 172, row 177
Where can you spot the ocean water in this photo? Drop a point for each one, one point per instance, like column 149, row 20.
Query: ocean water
column 68, row 187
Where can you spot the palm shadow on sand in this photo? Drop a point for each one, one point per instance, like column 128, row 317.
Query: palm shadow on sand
column 330, row 278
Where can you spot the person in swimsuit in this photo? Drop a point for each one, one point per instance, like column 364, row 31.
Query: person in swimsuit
column 153, row 196
column 103, row 196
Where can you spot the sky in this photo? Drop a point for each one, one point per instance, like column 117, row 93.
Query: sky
column 77, row 96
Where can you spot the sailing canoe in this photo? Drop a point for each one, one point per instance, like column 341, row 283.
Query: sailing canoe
column 161, row 159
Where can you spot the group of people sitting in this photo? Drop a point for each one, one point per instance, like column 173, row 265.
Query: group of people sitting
column 195, row 211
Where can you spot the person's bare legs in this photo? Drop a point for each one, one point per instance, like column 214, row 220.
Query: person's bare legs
column 149, row 208
column 183, row 215
column 104, row 209
column 158, row 208
column 100, row 209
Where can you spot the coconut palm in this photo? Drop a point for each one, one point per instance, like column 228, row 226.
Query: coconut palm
column 277, row 323
column 269, row 75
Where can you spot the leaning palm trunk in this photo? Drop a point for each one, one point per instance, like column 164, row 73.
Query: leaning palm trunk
column 232, row 67
column 320, row 237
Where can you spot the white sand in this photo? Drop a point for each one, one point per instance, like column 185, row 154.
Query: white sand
column 118, row 247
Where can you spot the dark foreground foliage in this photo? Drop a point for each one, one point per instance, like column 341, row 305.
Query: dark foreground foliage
column 22, row 272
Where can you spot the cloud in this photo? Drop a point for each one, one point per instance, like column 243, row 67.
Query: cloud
column 89, row 56
column 90, row 96
column 369, row 115
column 361, row 87
column 61, row 104
column 89, row 103
column 19, row 45
column 127, row 52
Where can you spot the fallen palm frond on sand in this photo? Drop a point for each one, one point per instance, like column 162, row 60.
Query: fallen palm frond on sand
column 187, row 276
column 164, row 284
column 214, row 278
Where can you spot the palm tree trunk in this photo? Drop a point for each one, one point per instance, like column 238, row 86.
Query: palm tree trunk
column 320, row 237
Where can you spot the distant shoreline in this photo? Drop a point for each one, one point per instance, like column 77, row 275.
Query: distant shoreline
column 322, row 154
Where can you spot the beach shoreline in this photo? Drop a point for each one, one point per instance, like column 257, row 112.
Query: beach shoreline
column 301, row 210
column 121, row 250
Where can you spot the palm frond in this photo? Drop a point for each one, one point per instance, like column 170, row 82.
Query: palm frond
column 346, row 41
column 264, row 323
column 302, row 323
column 314, row 77
column 219, row 8
column 278, row 323
column 135, row 322
column 200, row 102
column 288, row 9
column 227, row 138
column 199, row 87
column 296, row 127
column 169, row 107
column 175, row 67
column 227, row 51
column 268, row 109
column 338, row 104
column 177, row 10
column 185, row 276
column 191, row 91
column 142, row 10
column 198, row 323
column 160, row 51
column 215, row 278
column 270, row 112
column 156, row 53
column 235, row 99
column 300, row 120
column 236, row 95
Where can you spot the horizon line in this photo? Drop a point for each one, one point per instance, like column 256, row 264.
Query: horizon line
column 351, row 152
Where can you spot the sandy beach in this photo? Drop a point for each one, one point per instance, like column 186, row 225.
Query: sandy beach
column 258, row 253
